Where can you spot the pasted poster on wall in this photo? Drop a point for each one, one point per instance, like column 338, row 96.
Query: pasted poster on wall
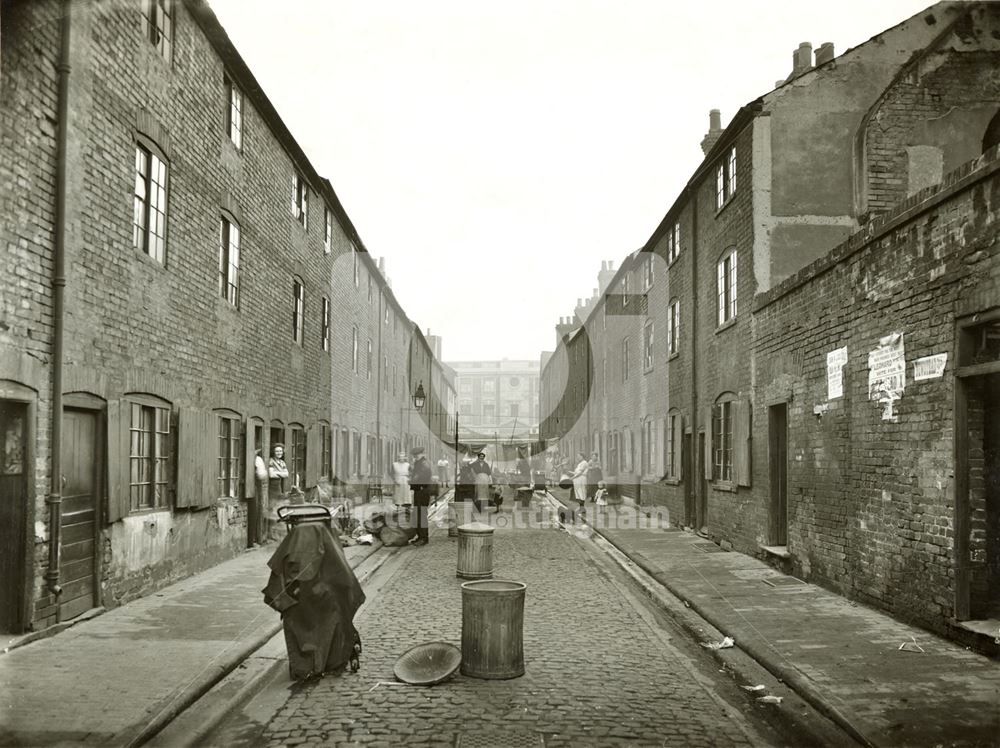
column 929, row 367
column 835, row 361
column 887, row 374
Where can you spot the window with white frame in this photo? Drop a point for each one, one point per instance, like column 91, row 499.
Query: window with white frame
column 229, row 260
column 647, row 271
column 370, row 288
column 726, row 287
column 357, row 275
column 325, row 325
column 298, row 309
column 354, row 349
column 647, row 345
column 626, row 287
column 673, row 327
column 300, row 199
column 149, row 451
column 674, row 242
column 327, row 231
column 234, row 113
column 604, row 376
column 370, row 360
column 725, row 178
column 326, row 456
column 647, row 446
column 228, row 470
column 489, row 386
column 385, row 373
column 149, row 215
column 722, row 438
column 158, row 25
column 625, row 346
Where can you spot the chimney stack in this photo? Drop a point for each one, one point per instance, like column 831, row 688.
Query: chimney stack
column 824, row 53
column 605, row 276
column 381, row 265
column 714, row 131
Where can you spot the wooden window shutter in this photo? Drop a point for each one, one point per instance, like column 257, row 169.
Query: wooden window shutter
column 314, row 448
column 118, row 419
column 197, row 457
column 249, row 477
column 707, row 456
column 741, row 442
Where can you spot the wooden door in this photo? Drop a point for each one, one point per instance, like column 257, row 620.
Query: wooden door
column 778, row 459
column 688, row 471
column 13, row 511
column 80, row 461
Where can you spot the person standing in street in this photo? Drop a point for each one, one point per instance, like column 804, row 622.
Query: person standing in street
column 579, row 477
column 594, row 475
column 401, row 479
column 442, row 466
column 255, row 508
column 483, row 475
column 421, row 478
column 277, row 471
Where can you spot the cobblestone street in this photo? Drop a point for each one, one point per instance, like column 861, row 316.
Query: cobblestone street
column 596, row 673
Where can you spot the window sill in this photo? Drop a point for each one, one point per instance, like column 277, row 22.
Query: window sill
column 726, row 204
column 143, row 257
column 724, row 485
column 671, row 262
column 672, row 481
column 674, row 355
column 731, row 322
column 779, row 551
column 648, row 369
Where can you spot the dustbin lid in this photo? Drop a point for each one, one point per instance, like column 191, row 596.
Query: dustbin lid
column 427, row 664
column 475, row 528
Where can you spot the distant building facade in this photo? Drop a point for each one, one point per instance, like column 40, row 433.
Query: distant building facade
column 497, row 399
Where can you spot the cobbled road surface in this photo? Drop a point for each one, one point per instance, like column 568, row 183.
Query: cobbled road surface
column 598, row 671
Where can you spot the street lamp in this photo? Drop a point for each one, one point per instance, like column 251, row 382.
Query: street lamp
column 419, row 397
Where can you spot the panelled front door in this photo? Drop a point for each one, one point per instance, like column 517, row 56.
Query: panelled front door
column 80, row 461
column 13, row 509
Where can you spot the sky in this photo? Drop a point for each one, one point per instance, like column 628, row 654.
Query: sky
column 495, row 153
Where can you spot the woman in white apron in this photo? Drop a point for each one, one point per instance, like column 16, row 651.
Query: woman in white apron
column 401, row 475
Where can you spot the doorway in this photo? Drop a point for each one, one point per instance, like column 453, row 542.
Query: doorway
column 81, row 457
column 687, row 471
column 13, row 514
column 777, row 430
column 701, row 500
column 977, row 469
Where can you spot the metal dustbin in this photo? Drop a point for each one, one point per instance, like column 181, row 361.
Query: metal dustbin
column 475, row 551
column 493, row 629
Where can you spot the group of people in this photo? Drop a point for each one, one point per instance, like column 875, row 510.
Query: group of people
column 588, row 480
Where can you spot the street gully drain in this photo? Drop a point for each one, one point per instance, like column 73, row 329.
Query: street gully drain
column 783, row 582
column 509, row 739
column 709, row 548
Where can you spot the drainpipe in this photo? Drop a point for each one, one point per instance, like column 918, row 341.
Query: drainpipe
column 54, row 499
column 696, row 459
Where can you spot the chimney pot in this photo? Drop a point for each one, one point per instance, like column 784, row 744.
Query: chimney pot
column 802, row 58
column 714, row 120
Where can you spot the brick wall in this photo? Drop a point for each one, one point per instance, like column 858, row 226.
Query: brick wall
column 137, row 326
column 871, row 501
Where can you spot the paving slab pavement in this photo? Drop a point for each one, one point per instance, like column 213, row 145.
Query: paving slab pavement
column 842, row 653
column 116, row 678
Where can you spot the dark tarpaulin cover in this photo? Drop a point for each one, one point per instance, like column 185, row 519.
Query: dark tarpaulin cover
column 317, row 594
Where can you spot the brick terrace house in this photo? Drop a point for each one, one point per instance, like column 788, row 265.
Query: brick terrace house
column 181, row 288
column 777, row 412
